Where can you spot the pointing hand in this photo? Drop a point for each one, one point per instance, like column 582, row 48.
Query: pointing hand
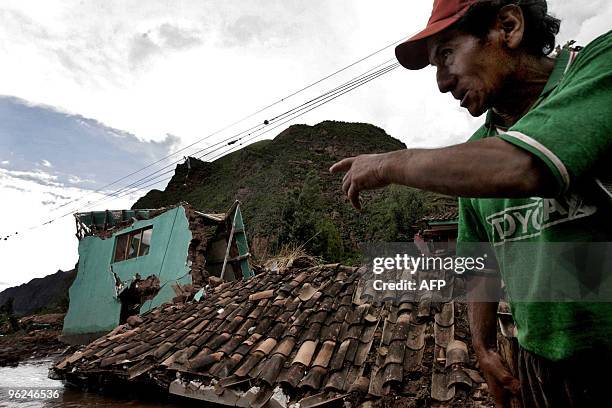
column 364, row 172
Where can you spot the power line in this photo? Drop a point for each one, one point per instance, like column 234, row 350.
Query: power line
column 328, row 96
column 267, row 122
column 305, row 108
column 308, row 109
column 357, row 81
column 291, row 114
column 147, row 183
column 236, row 122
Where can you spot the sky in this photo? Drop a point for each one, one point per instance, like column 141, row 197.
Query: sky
column 92, row 91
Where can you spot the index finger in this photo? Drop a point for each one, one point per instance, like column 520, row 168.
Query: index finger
column 342, row 165
column 353, row 196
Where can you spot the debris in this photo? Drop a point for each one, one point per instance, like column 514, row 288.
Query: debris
column 214, row 281
column 134, row 320
column 279, row 399
column 37, row 336
column 296, row 335
column 289, row 257
column 198, row 295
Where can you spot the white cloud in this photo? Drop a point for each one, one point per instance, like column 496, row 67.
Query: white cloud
column 39, row 250
column 77, row 180
column 581, row 22
column 46, row 163
column 5, row 162
column 152, row 69
column 190, row 69
column 142, row 48
column 38, row 176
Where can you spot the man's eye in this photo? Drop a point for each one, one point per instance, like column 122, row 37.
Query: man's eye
column 446, row 53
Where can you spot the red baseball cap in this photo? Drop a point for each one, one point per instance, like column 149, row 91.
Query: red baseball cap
column 412, row 53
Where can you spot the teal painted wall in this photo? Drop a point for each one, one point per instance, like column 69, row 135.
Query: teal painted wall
column 94, row 304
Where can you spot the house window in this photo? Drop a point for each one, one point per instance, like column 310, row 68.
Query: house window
column 132, row 244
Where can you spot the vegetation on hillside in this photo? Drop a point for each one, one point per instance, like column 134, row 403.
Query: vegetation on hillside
column 289, row 197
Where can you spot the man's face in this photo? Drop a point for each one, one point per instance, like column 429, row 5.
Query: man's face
column 471, row 69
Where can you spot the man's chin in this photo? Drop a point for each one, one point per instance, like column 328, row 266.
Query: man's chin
column 476, row 111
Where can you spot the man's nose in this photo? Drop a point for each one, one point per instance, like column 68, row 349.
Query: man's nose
column 446, row 82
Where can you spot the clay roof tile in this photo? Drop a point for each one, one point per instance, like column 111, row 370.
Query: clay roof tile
column 305, row 353
column 266, row 346
column 325, row 354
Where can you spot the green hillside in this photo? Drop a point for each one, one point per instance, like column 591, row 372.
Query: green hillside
column 289, row 197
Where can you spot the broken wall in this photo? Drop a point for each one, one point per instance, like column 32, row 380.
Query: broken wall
column 95, row 307
column 202, row 231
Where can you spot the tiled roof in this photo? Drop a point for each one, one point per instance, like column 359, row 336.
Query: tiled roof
column 449, row 215
column 305, row 331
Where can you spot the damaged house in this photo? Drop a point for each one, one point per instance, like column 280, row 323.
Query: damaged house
column 132, row 261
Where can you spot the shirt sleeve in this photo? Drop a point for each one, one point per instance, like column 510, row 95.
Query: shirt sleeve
column 571, row 130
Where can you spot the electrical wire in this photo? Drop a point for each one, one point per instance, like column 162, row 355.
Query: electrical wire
column 253, row 128
column 237, row 121
column 304, row 107
column 362, row 78
column 150, row 182
column 290, row 114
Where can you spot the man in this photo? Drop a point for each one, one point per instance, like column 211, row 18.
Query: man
column 529, row 175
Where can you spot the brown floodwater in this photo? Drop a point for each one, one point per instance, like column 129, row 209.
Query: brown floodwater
column 32, row 374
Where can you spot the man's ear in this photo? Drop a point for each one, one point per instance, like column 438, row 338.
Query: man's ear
column 511, row 25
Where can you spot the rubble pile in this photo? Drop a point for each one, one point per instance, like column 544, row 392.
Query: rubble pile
column 305, row 335
column 37, row 337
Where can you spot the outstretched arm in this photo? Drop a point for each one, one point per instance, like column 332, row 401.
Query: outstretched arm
column 488, row 167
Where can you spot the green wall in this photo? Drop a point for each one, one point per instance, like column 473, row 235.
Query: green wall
column 94, row 306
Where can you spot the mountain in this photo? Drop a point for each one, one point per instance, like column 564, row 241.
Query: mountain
column 289, row 198
column 48, row 294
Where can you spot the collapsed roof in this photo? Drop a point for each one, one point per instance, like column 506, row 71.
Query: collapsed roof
column 102, row 222
column 305, row 335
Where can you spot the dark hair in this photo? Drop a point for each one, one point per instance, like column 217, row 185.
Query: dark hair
column 540, row 27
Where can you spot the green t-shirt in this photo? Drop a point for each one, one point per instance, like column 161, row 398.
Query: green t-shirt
column 570, row 130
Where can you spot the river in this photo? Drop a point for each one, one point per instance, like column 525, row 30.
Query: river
column 33, row 375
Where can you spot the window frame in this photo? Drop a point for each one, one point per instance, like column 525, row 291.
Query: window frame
column 128, row 243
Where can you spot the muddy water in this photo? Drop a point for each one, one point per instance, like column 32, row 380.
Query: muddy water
column 33, row 374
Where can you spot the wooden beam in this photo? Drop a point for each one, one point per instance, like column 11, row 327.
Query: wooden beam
column 229, row 245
